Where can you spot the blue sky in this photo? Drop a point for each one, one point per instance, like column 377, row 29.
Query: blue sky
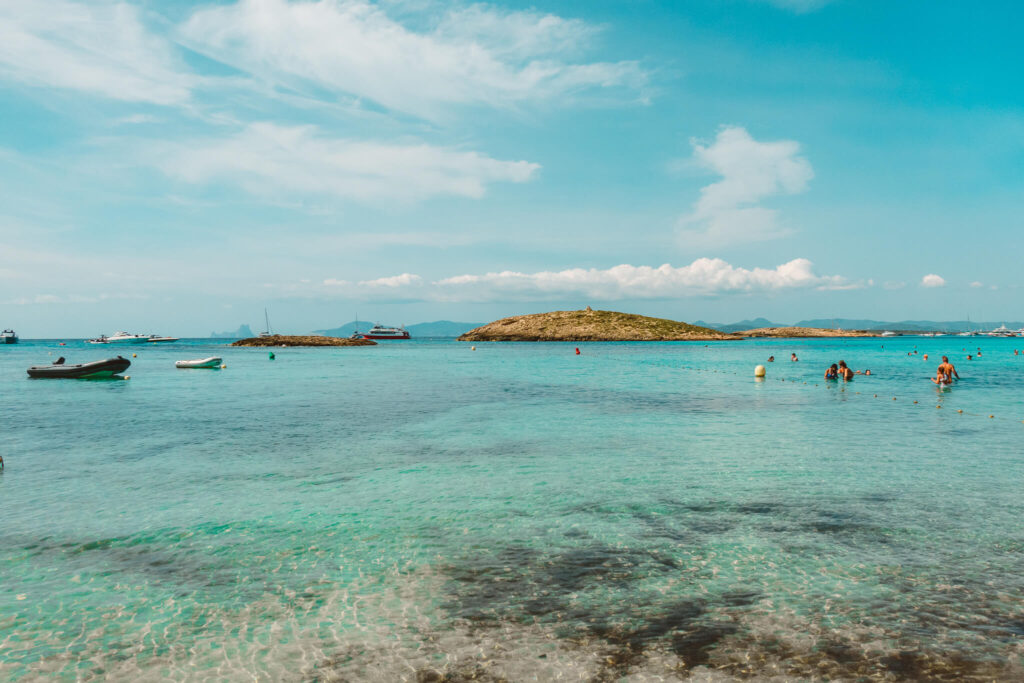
column 175, row 167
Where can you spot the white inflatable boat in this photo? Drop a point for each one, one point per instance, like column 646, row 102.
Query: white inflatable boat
column 211, row 362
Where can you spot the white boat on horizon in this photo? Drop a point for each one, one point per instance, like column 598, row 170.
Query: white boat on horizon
column 158, row 338
column 120, row 338
column 379, row 331
column 8, row 337
column 1002, row 331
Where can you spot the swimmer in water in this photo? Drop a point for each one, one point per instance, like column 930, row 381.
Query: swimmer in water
column 793, row 357
column 941, row 379
column 844, row 371
column 832, row 372
column 771, row 359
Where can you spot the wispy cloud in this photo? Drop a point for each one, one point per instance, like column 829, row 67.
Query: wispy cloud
column 268, row 160
column 99, row 48
column 751, row 171
column 703, row 277
column 933, row 280
column 798, row 6
column 477, row 55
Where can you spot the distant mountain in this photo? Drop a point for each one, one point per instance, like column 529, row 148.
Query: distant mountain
column 740, row 326
column 243, row 332
column 439, row 328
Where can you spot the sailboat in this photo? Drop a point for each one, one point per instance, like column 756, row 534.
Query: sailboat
column 356, row 334
column 266, row 319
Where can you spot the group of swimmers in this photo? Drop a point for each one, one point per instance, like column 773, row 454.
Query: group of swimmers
column 842, row 370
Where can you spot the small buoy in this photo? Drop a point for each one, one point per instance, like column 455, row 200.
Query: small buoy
column 135, row 355
column 894, row 398
column 760, row 371
column 915, row 402
column 577, row 350
column 960, row 411
column 223, row 365
column 938, row 407
column 472, row 348
column 270, row 355
column 991, row 416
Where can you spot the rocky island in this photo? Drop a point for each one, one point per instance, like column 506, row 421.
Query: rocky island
column 590, row 325
column 302, row 340
column 793, row 332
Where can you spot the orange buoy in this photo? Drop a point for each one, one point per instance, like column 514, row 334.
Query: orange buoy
column 577, row 350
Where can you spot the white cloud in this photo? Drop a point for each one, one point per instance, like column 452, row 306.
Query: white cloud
column 932, row 280
column 269, row 160
column 703, row 277
column 977, row 284
column 798, row 6
column 403, row 280
column 751, row 171
column 100, row 48
column 476, row 55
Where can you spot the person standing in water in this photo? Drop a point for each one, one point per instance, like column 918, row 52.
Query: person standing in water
column 947, row 369
column 844, row 371
column 832, row 372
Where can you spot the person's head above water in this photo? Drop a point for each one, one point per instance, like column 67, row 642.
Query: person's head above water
column 842, row 363
column 945, row 359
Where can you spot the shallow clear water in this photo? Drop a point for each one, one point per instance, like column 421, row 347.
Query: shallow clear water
column 418, row 510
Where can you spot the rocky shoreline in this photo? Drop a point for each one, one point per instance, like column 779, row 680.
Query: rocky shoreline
column 302, row 340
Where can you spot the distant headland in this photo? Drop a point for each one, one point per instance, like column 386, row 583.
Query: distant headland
column 302, row 340
column 590, row 325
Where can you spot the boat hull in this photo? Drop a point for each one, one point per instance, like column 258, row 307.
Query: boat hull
column 385, row 336
column 202, row 363
column 94, row 370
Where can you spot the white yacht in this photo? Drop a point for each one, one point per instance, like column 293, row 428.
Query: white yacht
column 378, row 331
column 1002, row 331
column 120, row 338
column 8, row 337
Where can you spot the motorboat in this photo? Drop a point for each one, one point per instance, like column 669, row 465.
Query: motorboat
column 1002, row 331
column 8, row 337
column 378, row 331
column 94, row 370
column 158, row 338
column 120, row 338
column 211, row 362
column 889, row 333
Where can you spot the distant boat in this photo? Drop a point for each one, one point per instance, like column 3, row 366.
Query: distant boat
column 887, row 333
column 119, row 338
column 211, row 362
column 157, row 338
column 266, row 332
column 8, row 337
column 1002, row 331
column 378, row 331
column 93, row 370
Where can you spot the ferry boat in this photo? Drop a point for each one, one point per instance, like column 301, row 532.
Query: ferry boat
column 8, row 337
column 378, row 331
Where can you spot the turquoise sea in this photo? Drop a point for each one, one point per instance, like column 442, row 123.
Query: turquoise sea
column 421, row 511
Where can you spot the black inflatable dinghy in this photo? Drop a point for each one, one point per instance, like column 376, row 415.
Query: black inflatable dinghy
column 97, row 368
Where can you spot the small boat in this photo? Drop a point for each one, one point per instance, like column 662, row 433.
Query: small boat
column 158, row 338
column 888, row 333
column 211, row 362
column 378, row 331
column 93, row 370
column 8, row 337
column 1002, row 331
